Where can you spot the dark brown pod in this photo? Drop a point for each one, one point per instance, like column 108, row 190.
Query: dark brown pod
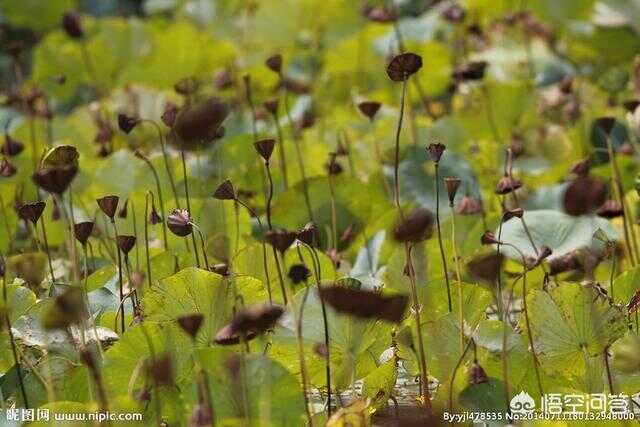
column 256, row 318
column 507, row 184
column 72, row 25
column 584, row 195
column 108, row 205
column 228, row 336
column 567, row 262
column 477, row 375
column 470, row 71
column 221, row 269
column 435, row 151
column 606, row 124
column 513, row 213
column 127, row 123
column 488, row 238
column 280, row 239
column 169, row 115
column 631, row 105
column 32, row 211
column 11, row 147
column 403, row 66
column 415, row 227
column 468, row 206
column 82, row 231
column 124, row 210
column 160, row 370
column 197, row 124
column 264, row 147
column 191, row 323
column 271, row 105
column 274, row 63
column 7, row 169
column 610, row 209
column 154, row 216
column 486, row 267
column 452, row 184
column 369, row 108
column 179, row 222
column 298, row 273
column 54, row 180
column 365, row 304
column 225, row 191
column 544, row 253
column 186, row 86
column 582, row 167
column 126, row 243
column 308, row 234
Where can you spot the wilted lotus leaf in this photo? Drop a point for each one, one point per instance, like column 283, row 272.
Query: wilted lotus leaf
column 584, row 195
column 228, row 336
column 256, row 318
column 54, row 180
column 415, row 227
column 248, row 323
column 161, row 370
column 82, row 231
column 108, row 205
column 61, row 157
column 197, row 124
column 30, row 267
column 67, row 309
column 486, row 267
column 469, row 71
column 366, row 304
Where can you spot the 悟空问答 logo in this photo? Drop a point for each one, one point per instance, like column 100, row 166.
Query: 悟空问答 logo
column 522, row 403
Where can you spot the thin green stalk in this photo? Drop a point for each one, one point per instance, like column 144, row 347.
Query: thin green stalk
column 165, row 157
column 442, row 255
column 186, row 192
column 630, row 238
column 264, row 250
column 296, row 141
column 14, row 351
column 46, row 249
column 160, row 199
column 317, row 273
column 146, row 236
column 454, row 247
column 281, row 151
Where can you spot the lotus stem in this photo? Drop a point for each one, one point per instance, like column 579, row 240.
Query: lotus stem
column 46, row 249
column 317, row 273
column 296, row 142
column 159, row 191
column 454, row 247
column 186, row 192
column 146, row 235
column 264, row 249
column 630, row 237
column 281, row 151
column 442, row 255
